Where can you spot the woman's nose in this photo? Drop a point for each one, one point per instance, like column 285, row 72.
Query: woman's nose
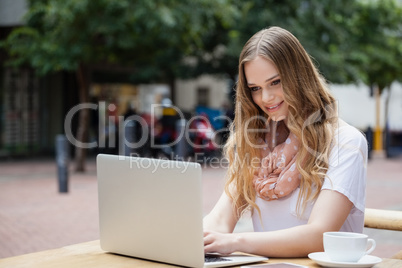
column 267, row 96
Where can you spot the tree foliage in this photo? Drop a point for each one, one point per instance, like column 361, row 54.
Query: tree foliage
column 378, row 35
column 61, row 35
column 349, row 40
column 346, row 39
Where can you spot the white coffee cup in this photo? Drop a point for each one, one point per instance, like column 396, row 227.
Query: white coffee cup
column 347, row 246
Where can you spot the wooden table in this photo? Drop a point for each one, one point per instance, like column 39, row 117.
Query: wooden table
column 89, row 254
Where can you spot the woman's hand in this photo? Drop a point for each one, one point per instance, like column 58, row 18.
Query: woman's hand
column 223, row 243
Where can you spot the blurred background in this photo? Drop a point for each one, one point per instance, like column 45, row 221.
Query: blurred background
column 152, row 59
column 126, row 55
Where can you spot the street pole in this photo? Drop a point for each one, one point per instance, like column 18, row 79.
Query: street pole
column 377, row 146
column 62, row 159
column 181, row 146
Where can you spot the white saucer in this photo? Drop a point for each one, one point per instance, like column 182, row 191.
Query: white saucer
column 365, row 262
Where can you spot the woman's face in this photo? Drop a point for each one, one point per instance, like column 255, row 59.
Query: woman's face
column 264, row 83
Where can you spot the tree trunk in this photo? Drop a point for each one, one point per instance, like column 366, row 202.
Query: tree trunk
column 172, row 85
column 386, row 104
column 83, row 121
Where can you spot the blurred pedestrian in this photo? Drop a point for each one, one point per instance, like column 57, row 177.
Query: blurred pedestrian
column 131, row 121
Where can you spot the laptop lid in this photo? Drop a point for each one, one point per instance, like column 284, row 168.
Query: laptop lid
column 152, row 209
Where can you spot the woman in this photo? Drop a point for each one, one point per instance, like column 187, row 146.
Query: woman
column 299, row 169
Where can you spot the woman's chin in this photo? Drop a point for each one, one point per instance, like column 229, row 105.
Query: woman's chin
column 278, row 118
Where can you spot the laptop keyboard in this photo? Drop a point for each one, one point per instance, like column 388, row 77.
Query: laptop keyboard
column 211, row 258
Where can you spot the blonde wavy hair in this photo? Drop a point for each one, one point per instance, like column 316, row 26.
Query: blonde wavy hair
column 312, row 117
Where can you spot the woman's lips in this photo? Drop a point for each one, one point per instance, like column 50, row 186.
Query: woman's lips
column 274, row 108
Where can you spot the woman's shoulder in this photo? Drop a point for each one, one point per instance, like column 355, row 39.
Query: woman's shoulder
column 346, row 134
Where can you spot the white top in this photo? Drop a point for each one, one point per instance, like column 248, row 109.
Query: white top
column 346, row 174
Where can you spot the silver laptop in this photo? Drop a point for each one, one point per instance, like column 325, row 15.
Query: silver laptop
column 152, row 209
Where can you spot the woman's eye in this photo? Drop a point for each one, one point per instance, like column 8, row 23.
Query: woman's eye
column 254, row 88
column 276, row 82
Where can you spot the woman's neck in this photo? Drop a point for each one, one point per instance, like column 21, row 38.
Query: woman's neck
column 277, row 133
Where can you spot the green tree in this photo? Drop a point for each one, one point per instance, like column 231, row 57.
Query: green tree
column 151, row 37
column 377, row 35
column 323, row 27
column 320, row 25
column 337, row 34
column 224, row 43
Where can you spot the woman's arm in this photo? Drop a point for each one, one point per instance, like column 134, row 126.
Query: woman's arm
column 329, row 213
column 222, row 218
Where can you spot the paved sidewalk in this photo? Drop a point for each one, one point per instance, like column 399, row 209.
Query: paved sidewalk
column 35, row 217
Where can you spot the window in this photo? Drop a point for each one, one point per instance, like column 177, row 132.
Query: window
column 202, row 96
